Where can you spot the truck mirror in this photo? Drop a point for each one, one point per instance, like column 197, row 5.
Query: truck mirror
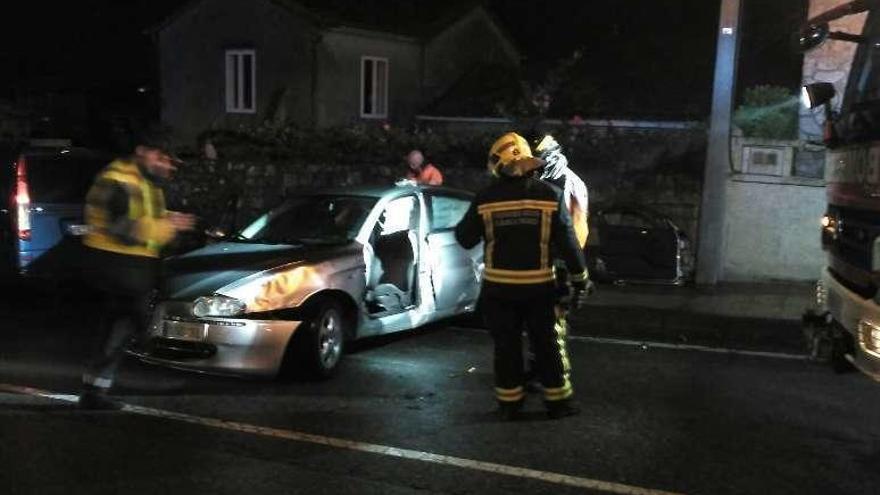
column 817, row 94
column 812, row 36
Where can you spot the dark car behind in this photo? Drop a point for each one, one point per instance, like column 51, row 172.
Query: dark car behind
column 43, row 187
column 633, row 243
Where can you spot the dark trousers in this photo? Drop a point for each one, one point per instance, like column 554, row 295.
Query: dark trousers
column 546, row 330
column 126, row 286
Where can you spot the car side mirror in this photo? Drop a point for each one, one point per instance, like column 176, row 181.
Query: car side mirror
column 216, row 234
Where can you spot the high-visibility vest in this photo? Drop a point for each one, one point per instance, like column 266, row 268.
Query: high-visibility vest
column 149, row 230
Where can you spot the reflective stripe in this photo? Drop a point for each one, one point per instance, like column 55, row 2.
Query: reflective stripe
column 97, row 381
column 523, row 204
column 510, row 394
column 579, row 277
column 561, row 393
column 545, row 238
column 518, row 277
column 148, row 204
column 566, row 390
column 490, row 239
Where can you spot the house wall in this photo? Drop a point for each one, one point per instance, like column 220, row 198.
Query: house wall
column 451, row 54
column 338, row 98
column 192, row 65
column 772, row 230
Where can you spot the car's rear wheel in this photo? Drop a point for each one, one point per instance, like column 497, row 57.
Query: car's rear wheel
column 318, row 345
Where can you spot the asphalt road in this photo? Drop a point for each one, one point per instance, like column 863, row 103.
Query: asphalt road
column 414, row 415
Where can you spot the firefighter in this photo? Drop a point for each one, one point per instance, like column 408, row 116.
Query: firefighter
column 574, row 192
column 127, row 227
column 524, row 224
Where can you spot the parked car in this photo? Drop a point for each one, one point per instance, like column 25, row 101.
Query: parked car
column 632, row 243
column 322, row 269
column 43, row 185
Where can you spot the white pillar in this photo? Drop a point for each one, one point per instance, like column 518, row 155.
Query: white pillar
column 710, row 253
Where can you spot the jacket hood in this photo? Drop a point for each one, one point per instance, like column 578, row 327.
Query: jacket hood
column 556, row 166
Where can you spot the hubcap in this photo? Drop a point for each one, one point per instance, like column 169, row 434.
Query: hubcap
column 330, row 338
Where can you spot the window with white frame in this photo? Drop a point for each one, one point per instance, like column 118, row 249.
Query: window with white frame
column 241, row 81
column 374, row 87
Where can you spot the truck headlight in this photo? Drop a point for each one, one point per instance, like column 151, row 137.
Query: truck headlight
column 869, row 338
column 217, row 306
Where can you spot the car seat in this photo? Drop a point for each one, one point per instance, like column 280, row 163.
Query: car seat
column 392, row 273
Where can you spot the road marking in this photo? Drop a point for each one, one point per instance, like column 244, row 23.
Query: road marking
column 341, row 443
column 689, row 347
column 672, row 346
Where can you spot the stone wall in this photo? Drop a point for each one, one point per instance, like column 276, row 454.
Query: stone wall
column 659, row 168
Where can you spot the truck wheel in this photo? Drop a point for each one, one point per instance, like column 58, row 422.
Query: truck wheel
column 317, row 346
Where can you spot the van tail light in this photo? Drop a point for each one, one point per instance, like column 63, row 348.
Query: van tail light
column 22, row 202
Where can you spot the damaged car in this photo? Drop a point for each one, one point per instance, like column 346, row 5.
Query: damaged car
column 290, row 290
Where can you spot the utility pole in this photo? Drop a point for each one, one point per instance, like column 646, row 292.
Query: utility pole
column 710, row 254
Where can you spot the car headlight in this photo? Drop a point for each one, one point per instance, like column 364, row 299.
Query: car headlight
column 217, row 306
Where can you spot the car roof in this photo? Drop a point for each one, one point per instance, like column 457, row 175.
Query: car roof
column 379, row 192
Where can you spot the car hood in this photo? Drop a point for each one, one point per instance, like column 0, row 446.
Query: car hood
column 207, row 270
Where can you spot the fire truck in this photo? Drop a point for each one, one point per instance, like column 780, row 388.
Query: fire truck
column 844, row 327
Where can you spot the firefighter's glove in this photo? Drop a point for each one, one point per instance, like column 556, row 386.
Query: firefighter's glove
column 580, row 291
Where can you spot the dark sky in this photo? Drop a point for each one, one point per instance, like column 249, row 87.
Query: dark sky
column 649, row 56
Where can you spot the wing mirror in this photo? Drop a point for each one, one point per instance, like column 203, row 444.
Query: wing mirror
column 812, row 36
column 216, row 234
column 816, row 94
column 820, row 94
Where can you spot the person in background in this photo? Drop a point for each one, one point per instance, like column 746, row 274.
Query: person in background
column 420, row 172
column 128, row 226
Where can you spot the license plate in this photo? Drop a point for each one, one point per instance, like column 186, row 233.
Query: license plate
column 77, row 229
column 185, row 331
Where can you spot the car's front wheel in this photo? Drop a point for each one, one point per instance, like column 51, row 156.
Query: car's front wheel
column 318, row 344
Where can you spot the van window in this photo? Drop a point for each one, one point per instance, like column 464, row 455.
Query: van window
column 59, row 178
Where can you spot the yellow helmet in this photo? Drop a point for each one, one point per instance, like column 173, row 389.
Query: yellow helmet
column 512, row 155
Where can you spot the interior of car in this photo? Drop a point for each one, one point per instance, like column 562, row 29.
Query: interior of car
column 391, row 279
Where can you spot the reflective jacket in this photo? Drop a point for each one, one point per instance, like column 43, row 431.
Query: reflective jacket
column 525, row 226
column 125, row 212
column 574, row 191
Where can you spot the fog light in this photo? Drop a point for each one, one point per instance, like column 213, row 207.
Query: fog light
column 869, row 338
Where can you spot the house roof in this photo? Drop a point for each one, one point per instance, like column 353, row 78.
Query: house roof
column 420, row 19
column 479, row 93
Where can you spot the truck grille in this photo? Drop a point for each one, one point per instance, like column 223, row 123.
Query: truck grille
column 853, row 238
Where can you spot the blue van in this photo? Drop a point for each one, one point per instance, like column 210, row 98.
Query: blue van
column 43, row 185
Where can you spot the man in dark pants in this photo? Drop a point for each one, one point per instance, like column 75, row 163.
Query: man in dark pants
column 128, row 226
column 525, row 225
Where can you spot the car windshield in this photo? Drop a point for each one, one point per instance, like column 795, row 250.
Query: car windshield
column 310, row 220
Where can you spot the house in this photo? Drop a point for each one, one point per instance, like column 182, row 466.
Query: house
column 225, row 63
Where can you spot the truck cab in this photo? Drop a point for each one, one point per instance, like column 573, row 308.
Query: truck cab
column 844, row 328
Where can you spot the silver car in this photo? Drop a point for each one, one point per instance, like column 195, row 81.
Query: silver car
column 322, row 269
